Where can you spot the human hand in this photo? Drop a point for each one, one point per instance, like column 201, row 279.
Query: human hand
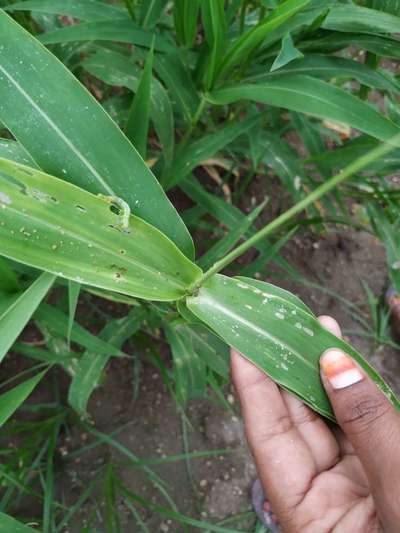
column 319, row 478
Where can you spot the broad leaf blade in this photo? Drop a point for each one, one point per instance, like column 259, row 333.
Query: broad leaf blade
column 69, row 135
column 55, row 226
column 313, row 96
column 8, row 524
column 151, row 11
column 11, row 400
column 124, row 31
column 88, row 10
column 15, row 316
column 137, row 127
column 329, row 67
column 351, row 18
column 278, row 336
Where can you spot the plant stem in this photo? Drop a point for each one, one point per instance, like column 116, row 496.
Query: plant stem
column 357, row 165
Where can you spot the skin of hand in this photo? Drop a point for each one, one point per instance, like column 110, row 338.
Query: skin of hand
column 322, row 478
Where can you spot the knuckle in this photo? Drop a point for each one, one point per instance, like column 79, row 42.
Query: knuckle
column 304, row 416
column 363, row 412
column 280, row 426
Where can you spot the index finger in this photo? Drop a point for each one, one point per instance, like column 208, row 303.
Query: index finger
column 284, row 461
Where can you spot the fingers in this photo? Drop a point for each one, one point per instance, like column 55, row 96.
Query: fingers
column 331, row 325
column 319, row 438
column 283, row 459
column 371, row 424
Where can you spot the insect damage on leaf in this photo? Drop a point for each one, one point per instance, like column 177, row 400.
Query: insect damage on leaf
column 119, row 207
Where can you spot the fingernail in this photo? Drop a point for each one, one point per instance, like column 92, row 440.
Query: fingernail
column 339, row 369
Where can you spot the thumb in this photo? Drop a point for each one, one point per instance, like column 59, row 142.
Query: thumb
column 370, row 422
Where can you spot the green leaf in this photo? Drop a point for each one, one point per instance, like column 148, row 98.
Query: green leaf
column 178, row 80
column 91, row 365
column 137, row 127
column 10, row 149
column 15, row 316
column 55, row 226
column 252, row 39
column 123, row 31
column 185, row 18
column 313, row 96
column 332, row 41
column 226, row 213
column 267, row 255
column 300, row 23
column 73, row 296
column 214, row 23
column 57, row 322
column 116, row 69
column 11, row 400
column 350, row 18
column 389, row 234
column 194, row 153
column 9, row 525
column 151, row 11
column 287, row 53
column 321, row 66
column 224, row 245
column 390, row 6
column 88, row 10
column 210, row 348
column 68, row 133
column 189, row 369
column 8, row 278
column 281, row 338
column 282, row 159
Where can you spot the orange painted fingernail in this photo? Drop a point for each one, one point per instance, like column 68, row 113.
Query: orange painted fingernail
column 340, row 369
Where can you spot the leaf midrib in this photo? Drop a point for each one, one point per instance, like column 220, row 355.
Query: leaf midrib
column 206, row 300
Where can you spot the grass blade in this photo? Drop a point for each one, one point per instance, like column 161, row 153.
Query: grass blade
column 137, row 127
column 360, row 19
column 91, row 365
column 11, row 400
column 245, row 45
column 316, row 97
column 15, row 316
column 87, row 10
column 73, row 296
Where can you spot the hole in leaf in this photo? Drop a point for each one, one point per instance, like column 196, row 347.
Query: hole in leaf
column 116, row 209
column 38, row 195
column 81, row 208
